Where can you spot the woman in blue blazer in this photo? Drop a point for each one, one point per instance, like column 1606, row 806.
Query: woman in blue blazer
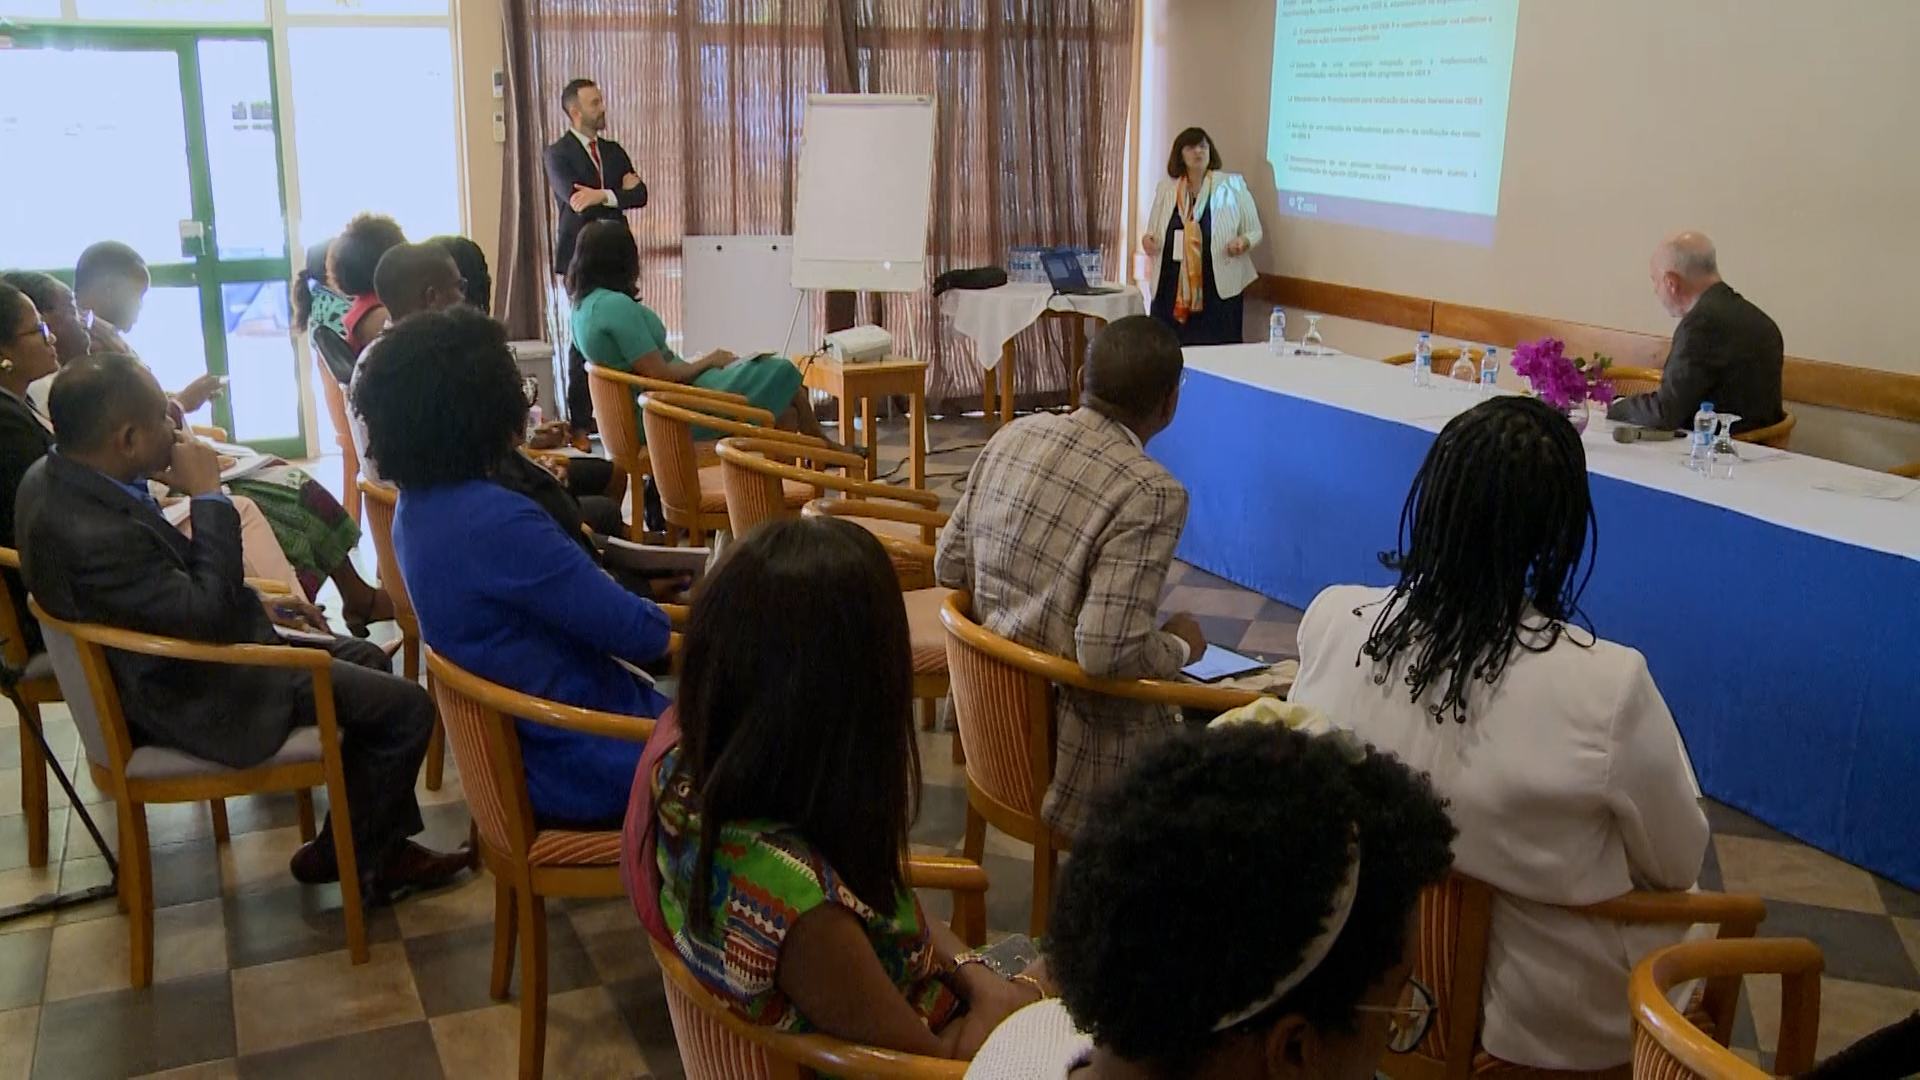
column 499, row 588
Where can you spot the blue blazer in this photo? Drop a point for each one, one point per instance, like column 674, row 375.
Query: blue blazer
column 503, row 593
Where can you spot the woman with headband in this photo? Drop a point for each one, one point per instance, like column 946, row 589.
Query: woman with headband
column 1240, row 905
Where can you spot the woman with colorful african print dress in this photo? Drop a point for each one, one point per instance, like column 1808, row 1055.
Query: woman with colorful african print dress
column 768, row 835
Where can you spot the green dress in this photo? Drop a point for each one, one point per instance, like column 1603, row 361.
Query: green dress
column 613, row 331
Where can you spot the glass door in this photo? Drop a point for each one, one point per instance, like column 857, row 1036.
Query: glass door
column 169, row 141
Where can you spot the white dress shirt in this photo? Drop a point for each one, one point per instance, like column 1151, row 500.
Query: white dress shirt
column 1569, row 786
column 607, row 195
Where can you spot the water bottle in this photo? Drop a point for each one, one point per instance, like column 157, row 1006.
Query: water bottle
column 1463, row 374
column 1423, row 361
column 1700, row 454
column 1489, row 371
column 533, row 420
column 1277, row 331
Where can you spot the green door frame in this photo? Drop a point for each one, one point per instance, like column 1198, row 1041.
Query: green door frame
column 206, row 271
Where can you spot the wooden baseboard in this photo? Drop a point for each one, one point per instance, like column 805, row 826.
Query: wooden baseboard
column 1814, row 382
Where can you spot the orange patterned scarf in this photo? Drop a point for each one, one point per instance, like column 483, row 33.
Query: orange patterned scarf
column 1192, row 295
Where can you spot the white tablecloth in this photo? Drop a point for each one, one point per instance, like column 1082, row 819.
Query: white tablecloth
column 990, row 317
column 1811, row 495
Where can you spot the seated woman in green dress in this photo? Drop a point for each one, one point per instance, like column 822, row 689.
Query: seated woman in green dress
column 613, row 329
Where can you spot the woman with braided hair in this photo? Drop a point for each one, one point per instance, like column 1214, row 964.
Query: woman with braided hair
column 1563, row 769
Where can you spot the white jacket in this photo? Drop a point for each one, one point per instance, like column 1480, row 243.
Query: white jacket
column 1568, row 785
column 1233, row 216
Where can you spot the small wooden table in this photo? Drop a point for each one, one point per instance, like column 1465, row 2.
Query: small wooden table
column 865, row 383
column 1004, row 371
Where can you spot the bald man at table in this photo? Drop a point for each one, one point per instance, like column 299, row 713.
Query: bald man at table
column 1725, row 349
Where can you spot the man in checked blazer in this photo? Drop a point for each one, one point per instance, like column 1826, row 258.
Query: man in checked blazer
column 593, row 180
column 1064, row 538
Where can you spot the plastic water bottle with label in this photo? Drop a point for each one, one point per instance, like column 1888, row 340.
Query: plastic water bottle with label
column 1464, row 375
column 1277, row 331
column 1423, row 361
column 1700, row 454
column 1489, row 371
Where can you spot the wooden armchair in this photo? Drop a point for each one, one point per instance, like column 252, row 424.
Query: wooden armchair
column 1456, row 918
column 1667, row 1046
column 33, row 685
column 1628, row 381
column 692, row 495
column 152, row 774
column 760, row 475
column 716, row 1044
column 528, row 864
column 616, row 412
column 336, row 356
column 382, row 499
column 1777, row 435
column 1003, row 697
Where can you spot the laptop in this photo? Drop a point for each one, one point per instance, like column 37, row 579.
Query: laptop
column 1063, row 272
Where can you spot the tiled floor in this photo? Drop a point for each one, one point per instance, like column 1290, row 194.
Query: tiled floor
column 252, row 977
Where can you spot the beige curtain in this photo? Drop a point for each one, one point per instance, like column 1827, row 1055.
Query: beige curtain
column 707, row 96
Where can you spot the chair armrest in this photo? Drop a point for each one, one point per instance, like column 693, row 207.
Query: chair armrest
column 537, row 710
column 10, row 558
column 946, row 873
column 269, row 587
column 871, row 507
column 1911, row 471
column 1737, row 914
column 208, row 431
column 644, row 384
column 692, row 407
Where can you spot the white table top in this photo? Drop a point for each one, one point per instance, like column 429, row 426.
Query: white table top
column 1810, row 495
column 990, row 317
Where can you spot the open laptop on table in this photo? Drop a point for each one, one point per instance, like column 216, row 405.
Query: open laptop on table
column 1064, row 273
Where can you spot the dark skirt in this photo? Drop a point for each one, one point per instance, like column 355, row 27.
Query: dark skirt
column 1218, row 322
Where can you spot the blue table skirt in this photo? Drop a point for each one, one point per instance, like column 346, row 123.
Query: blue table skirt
column 1788, row 660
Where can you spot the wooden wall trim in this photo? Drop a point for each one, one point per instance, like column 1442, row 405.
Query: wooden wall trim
column 1815, row 382
column 1346, row 301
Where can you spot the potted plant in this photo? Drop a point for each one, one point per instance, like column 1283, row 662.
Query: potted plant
column 1565, row 382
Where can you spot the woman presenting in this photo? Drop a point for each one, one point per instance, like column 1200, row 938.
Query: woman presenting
column 1201, row 229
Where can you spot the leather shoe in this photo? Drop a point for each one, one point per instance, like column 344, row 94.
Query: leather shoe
column 315, row 864
column 412, row 868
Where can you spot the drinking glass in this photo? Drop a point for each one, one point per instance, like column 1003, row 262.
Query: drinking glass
column 1312, row 344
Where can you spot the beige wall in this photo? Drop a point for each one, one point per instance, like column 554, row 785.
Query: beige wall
column 477, row 27
column 1784, row 128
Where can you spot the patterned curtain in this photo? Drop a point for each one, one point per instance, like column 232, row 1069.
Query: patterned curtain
column 707, row 96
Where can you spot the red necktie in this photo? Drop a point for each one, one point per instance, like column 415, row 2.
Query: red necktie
column 593, row 151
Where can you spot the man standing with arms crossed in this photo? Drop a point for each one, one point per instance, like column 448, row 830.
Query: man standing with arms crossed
column 592, row 179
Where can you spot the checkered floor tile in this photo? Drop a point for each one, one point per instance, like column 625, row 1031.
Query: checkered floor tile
column 252, row 978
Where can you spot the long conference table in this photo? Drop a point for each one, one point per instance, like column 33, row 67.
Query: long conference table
column 1779, row 610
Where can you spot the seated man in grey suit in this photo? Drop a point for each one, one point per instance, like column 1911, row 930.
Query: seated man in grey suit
column 1065, row 536
column 94, row 548
column 1725, row 350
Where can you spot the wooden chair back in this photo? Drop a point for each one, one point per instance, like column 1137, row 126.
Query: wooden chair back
column 912, row 556
column 1777, row 436
column 382, row 498
column 615, row 396
column 715, row 1044
column 670, row 418
column 753, row 469
column 331, row 348
column 480, row 718
column 1667, row 1046
column 12, row 620
column 1456, row 920
column 1628, row 381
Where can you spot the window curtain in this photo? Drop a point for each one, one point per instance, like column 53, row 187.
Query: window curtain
column 707, row 96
